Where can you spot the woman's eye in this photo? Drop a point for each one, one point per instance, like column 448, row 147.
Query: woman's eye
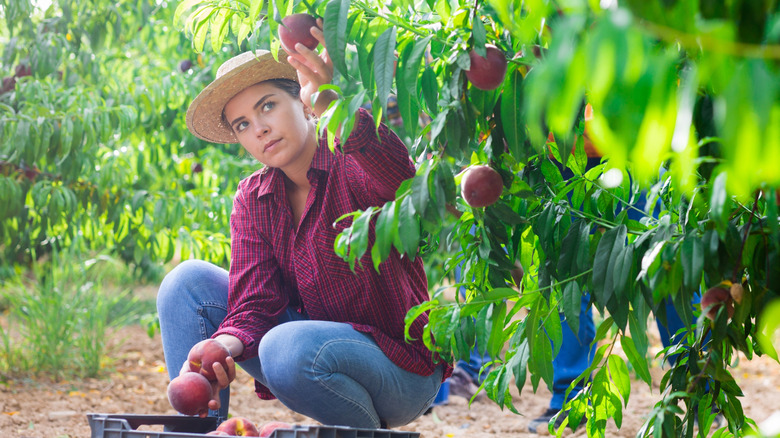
column 241, row 126
column 267, row 106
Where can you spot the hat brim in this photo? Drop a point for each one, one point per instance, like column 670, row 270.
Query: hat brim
column 204, row 115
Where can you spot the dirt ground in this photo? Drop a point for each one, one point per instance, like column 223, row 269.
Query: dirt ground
column 38, row 410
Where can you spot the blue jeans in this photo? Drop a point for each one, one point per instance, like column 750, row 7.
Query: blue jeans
column 322, row 369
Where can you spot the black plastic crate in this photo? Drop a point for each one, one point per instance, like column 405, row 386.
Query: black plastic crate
column 125, row 425
column 177, row 426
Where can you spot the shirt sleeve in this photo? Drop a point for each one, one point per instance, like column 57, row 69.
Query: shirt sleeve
column 255, row 284
column 380, row 154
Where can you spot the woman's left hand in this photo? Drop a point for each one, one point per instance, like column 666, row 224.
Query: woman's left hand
column 314, row 69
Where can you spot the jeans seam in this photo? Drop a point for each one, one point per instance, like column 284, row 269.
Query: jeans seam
column 202, row 316
column 332, row 391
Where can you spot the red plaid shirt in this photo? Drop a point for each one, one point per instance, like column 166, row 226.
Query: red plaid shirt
column 274, row 267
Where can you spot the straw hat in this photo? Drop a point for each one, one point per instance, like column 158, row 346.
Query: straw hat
column 204, row 116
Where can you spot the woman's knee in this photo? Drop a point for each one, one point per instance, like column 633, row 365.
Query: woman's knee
column 180, row 282
column 279, row 349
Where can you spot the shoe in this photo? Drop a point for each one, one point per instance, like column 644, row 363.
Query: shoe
column 544, row 420
column 462, row 385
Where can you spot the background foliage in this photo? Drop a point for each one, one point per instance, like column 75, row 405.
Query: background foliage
column 689, row 86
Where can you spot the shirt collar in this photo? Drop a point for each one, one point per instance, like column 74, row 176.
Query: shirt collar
column 272, row 179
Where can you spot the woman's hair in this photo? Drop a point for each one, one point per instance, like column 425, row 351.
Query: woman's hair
column 289, row 86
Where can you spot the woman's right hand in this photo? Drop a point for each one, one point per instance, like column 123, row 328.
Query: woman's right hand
column 314, row 70
column 223, row 377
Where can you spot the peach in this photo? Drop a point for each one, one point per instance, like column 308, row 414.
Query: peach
column 190, row 393
column 268, row 428
column 487, row 73
column 296, row 28
column 713, row 299
column 481, row 186
column 238, row 426
column 204, row 354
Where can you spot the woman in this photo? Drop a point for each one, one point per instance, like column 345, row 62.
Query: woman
column 327, row 342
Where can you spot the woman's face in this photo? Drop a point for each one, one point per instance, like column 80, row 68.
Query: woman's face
column 272, row 126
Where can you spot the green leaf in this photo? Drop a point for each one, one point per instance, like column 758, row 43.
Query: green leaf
column 484, row 327
column 572, row 299
column 496, row 340
column 542, row 357
column 414, row 313
column 618, row 371
column 184, row 6
column 718, row 201
column 430, row 89
column 386, row 229
column 421, row 196
column 522, row 354
column 624, row 263
column 769, row 321
column 639, row 363
column 609, row 248
column 552, row 326
column 499, row 293
column 219, row 28
column 571, row 262
column 408, row 228
column 480, row 36
column 512, row 116
column 384, row 65
column 692, row 258
column 411, row 67
column 335, row 31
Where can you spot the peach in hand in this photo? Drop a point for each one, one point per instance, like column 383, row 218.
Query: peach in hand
column 190, row 394
column 205, row 354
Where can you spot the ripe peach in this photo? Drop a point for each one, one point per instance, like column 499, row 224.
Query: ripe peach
column 204, row 354
column 268, row 428
column 713, row 299
column 217, row 432
column 487, row 73
column 9, row 83
column 238, row 426
column 190, row 393
column 296, row 28
column 23, row 70
column 481, row 186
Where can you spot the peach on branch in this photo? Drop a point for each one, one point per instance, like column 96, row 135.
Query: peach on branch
column 481, row 186
column 713, row 299
column 296, row 28
column 487, row 73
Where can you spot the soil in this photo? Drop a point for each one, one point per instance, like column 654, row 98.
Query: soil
column 33, row 409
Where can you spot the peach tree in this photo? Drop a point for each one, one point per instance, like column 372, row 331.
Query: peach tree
column 94, row 153
column 689, row 87
column 682, row 100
